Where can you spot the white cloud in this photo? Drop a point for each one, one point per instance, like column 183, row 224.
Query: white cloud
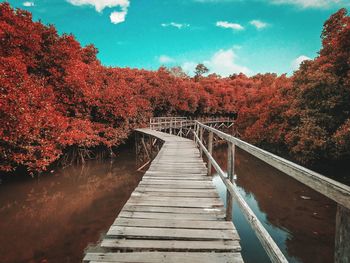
column 312, row 3
column 222, row 62
column 296, row 62
column 102, row 4
column 164, row 59
column 258, row 24
column 28, row 4
column 226, row 24
column 189, row 67
column 216, row 1
column 173, row 24
column 116, row 16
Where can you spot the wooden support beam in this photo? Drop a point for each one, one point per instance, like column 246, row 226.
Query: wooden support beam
column 201, row 139
column 145, row 147
column 230, row 174
column 342, row 235
column 155, row 141
column 197, row 133
column 210, row 149
column 150, row 147
column 136, row 147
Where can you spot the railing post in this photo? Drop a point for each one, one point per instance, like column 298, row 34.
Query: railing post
column 230, row 175
column 201, row 138
column 194, row 131
column 180, row 128
column 151, row 147
column 342, row 235
column 197, row 132
column 137, row 147
column 210, row 149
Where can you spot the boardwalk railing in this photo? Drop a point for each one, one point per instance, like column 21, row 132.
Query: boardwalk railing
column 179, row 123
column 336, row 191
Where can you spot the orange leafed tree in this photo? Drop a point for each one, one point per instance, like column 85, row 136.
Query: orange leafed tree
column 57, row 100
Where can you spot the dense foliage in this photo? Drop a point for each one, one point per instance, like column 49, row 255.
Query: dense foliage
column 57, row 99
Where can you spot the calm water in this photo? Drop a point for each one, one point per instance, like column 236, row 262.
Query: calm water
column 301, row 221
column 54, row 218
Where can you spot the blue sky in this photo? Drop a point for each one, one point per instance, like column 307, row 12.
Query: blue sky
column 228, row 36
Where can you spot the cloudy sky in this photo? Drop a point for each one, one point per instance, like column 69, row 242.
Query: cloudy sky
column 228, row 36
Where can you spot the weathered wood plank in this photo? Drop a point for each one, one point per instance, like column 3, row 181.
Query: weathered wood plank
column 178, row 186
column 179, row 194
column 177, row 216
column 178, row 182
column 172, row 245
column 170, row 223
column 170, row 233
column 188, row 178
column 141, row 198
column 175, row 203
column 217, row 211
column 162, row 257
column 168, row 189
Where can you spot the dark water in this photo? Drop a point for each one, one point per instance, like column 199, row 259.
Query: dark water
column 53, row 218
column 301, row 221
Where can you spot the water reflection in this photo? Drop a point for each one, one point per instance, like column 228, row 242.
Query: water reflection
column 53, row 218
column 301, row 221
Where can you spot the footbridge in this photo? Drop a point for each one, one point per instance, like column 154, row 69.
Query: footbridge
column 175, row 214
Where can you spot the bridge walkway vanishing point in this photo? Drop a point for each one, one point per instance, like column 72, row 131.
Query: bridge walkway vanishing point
column 174, row 215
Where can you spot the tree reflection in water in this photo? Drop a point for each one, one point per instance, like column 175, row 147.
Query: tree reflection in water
column 301, row 221
column 53, row 218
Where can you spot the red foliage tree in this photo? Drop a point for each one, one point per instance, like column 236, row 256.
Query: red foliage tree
column 57, row 99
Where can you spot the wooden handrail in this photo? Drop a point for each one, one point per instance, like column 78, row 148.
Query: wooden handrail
column 266, row 240
column 162, row 123
column 332, row 189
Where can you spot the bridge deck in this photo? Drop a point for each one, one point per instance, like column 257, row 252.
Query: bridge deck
column 174, row 215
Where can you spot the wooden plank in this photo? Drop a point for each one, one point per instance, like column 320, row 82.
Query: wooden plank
column 144, row 188
column 217, row 211
column 141, row 198
column 177, row 216
column 184, row 170
column 179, row 175
column 159, row 166
column 172, row 245
column 162, row 257
column 179, row 194
column 175, row 203
column 169, row 223
column 178, row 186
column 171, row 233
column 178, row 182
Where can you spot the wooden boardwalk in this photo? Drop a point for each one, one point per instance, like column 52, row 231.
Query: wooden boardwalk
column 174, row 215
